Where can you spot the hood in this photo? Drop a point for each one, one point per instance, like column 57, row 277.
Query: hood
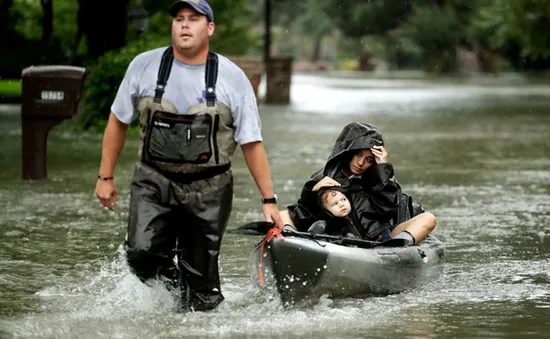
column 354, row 136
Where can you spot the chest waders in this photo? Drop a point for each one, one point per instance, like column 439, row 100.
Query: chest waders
column 181, row 191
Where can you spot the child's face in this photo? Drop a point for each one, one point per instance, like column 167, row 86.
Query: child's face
column 337, row 204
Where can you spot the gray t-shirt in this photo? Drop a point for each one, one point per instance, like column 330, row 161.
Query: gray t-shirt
column 186, row 87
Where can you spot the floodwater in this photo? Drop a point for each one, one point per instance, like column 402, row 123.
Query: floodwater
column 474, row 151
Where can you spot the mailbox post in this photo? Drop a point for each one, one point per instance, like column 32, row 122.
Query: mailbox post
column 50, row 94
column 278, row 77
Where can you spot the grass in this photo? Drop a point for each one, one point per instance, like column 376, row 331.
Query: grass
column 10, row 87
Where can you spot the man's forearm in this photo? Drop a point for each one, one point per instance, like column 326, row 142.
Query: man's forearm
column 113, row 141
column 256, row 160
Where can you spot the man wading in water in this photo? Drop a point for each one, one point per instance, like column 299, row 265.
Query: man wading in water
column 194, row 107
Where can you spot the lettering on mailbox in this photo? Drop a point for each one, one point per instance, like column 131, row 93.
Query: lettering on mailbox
column 52, row 95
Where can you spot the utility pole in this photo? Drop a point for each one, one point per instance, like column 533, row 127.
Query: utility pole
column 267, row 37
column 278, row 70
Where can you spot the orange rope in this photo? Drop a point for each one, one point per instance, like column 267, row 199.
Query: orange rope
column 272, row 233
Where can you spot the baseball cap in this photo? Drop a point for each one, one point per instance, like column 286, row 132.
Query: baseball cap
column 200, row 6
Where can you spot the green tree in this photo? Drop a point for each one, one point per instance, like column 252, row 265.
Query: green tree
column 46, row 20
column 437, row 31
column 357, row 18
column 520, row 28
column 299, row 26
column 315, row 23
column 30, row 35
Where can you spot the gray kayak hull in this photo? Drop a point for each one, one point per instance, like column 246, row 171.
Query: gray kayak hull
column 300, row 268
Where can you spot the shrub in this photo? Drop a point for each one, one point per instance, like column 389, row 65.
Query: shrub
column 103, row 78
column 348, row 65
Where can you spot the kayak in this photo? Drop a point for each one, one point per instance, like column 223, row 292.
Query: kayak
column 302, row 267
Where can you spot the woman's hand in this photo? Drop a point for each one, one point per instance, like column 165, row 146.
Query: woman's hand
column 325, row 182
column 380, row 154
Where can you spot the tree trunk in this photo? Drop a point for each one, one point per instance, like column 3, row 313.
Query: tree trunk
column 47, row 22
column 267, row 27
column 4, row 15
column 4, row 7
column 76, row 43
column 317, row 44
column 389, row 47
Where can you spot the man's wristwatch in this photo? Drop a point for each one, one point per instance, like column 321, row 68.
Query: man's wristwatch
column 270, row 200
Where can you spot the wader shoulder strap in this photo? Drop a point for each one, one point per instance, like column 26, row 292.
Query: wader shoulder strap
column 164, row 73
column 211, row 75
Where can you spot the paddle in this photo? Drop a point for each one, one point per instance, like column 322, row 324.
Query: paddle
column 253, row 228
column 262, row 227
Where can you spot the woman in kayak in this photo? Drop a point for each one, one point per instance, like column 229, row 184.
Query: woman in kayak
column 359, row 163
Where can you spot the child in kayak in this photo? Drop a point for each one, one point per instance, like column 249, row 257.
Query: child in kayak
column 342, row 221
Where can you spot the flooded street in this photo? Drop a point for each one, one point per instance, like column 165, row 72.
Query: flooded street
column 473, row 151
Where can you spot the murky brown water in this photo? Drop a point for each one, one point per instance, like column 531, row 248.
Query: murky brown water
column 473, row 151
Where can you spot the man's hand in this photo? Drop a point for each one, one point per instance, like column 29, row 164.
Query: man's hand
column 105, row 191
column 256, row 160
column 325, row 182
column 271, row 214
column 113, row 141
column 380, row 154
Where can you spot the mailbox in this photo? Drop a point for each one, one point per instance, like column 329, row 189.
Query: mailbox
column 50, row 94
